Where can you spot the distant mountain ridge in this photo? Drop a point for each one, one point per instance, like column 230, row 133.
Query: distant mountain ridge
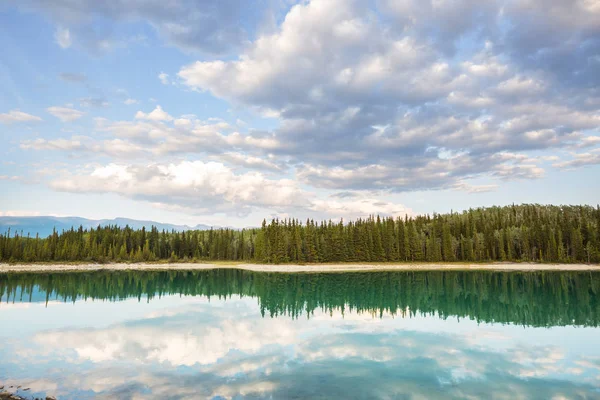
column 43, row 225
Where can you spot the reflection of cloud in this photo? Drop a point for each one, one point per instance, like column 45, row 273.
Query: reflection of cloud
column 162, row 339
column 589, row 362
column 14, row 306
column 538, row 360
column 254, row 388
column 225, row 349
column 21, row 305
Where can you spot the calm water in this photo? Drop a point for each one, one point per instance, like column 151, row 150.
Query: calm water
column 229, row 334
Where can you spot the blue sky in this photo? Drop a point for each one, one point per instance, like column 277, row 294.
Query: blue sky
column 226, row 112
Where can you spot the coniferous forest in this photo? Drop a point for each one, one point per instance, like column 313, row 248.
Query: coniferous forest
column 535, row 233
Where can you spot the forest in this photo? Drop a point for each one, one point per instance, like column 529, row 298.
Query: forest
column 524, row 298
column 528, row 232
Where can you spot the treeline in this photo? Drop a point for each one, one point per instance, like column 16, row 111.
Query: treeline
column 537, row 233
column 523, row 298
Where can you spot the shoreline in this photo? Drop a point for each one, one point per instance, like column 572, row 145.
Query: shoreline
column 299, row 268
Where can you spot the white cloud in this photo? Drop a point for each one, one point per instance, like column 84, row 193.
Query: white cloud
column 359, row 207
column 93, row 102
column 248, row 161
column 207, row 188
column 588, row 141
column 65, row 114
column 378, row 97
column 75, row 143
column 203, row 187
column 333, row 70
column 469, row 188
column 62, row 36
column 206, row 345
column 164, row 78
column 17, row 116
column 580, row 160
column 158, row 114
column 12, row 213
column 9, row 178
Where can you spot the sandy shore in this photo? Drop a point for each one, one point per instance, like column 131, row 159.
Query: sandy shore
column 344, row 267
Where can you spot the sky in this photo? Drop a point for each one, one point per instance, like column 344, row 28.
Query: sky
column 226, row 112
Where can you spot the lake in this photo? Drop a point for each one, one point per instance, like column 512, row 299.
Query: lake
column 233, row 334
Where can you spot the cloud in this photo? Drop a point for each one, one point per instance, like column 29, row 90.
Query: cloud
column 225, row 349
column 73, row 144
column 360, row 207
column 19, row 213
column 65, row 114
column 580, row 160
column 210, row 26
column 157, row 133
column 9, row 178
column 469, row 188
column 158, row 114
column 129, row 102
column 210, row 187
column 367, row 104
column 164, row 78
column 202, row 187
column 72, row 77
column 93, row 102
column 248, row 161
column 588, row 141
column 374, row 98
column 18, row 116
column 62, row 37
column 85, row 146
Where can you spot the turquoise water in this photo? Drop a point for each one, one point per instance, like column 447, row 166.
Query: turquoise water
column 228, row 334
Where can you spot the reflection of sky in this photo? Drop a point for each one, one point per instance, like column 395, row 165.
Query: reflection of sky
column 188, row 347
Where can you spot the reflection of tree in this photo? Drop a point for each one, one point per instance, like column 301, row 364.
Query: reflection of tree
column 532, row 298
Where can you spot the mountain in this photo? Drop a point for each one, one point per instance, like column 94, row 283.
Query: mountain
column 44, row 225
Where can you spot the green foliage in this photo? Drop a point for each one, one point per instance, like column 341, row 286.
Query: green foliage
column 514, row 233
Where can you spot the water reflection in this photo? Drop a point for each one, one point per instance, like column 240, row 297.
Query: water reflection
column 356, row 344
column 531, row 299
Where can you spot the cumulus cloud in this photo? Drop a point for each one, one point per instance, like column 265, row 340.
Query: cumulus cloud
column 62, row 37
column 65, row 114
column 164, row 78
column 211, row 187
column 157, row 133
column 368, row 97
column 349, row 88
column 158, row 114
column 17, row 116
column 202, row 187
